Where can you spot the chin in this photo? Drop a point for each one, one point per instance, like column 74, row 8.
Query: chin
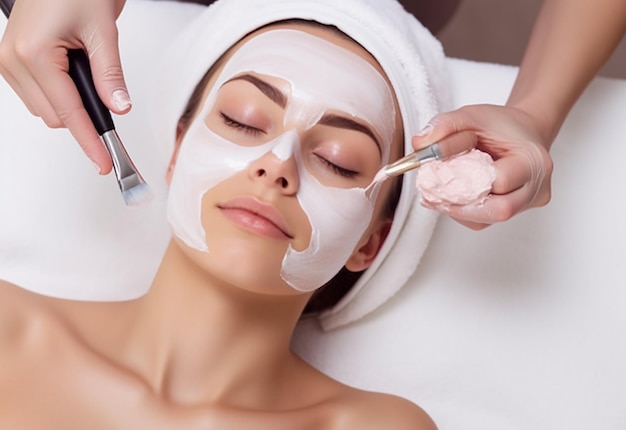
column 247, row 263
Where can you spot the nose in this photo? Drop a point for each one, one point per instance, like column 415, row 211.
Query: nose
column 278, row 166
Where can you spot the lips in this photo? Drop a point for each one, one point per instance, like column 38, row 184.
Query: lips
column 256, row 216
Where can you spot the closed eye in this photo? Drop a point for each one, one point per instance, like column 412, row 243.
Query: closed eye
column 240, row 126
column 337, row 169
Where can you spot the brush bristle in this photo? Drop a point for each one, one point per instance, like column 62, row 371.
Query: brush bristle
column 139, row 195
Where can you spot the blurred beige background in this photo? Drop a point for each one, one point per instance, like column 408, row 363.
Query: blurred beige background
column 487, row 30
column 497, row 31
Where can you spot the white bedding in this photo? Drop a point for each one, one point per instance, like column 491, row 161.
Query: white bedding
column 519, row 326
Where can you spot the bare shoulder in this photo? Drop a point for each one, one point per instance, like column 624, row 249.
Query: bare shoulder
column 382, row 411
column 346, row 408
column 21, row 318
column 12, row 328
column 11, row 305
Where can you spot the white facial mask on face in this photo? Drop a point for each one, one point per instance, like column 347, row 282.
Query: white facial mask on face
column 322, row 77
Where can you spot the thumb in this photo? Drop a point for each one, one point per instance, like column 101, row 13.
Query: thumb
column 106, row 69
column 451, row 130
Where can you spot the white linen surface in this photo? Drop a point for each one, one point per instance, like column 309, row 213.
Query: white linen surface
column 520, row 326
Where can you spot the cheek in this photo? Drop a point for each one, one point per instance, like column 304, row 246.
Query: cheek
column 235, row 256
column 204, row 160
column 336, row 215
column 339, row 217
column 303, row 226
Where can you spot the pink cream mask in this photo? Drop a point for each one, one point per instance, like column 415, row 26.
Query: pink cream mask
column 465, row 179
column 322, row 76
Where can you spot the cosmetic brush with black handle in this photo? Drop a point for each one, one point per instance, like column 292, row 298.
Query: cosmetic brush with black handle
column 134, row 189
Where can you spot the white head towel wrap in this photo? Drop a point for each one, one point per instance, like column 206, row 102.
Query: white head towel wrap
column 414, row 63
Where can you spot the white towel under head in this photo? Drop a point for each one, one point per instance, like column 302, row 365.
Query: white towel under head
column 414, row 63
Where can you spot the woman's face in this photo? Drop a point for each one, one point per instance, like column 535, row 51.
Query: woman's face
column 271, row 176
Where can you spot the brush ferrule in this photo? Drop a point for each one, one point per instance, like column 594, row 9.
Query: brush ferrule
column 125, row 171
column 414, row 160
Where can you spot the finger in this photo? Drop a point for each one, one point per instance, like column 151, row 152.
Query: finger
column 65, row 100
column 472, row 225
column 30, row 67
column 497, row 208
column 51, row 94
column 31, row 94
column 19, row 91
column 45, row 110
column 79, row 123
column 457, row 143
column 13, row 69
column 442, row 126
column 106, row 68
column 512, row 173
column 50, row 72
column 446, row 209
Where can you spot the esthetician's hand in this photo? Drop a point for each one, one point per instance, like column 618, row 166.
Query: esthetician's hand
column 33, row 60
column 511, row 137
column 579, row 33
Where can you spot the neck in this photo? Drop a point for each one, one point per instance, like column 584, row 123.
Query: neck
column 194, row 338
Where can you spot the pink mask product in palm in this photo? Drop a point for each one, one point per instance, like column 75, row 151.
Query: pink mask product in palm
column 465, row 179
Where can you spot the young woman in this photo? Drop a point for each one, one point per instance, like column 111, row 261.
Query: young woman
column 270, row 198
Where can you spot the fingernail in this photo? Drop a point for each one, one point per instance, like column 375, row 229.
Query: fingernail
column 95, row 166
column 121, row 100
column 425, row 131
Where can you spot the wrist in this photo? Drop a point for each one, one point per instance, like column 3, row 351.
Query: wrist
column 546, row 120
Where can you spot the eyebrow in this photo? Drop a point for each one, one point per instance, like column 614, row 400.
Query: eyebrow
column 329, row 119
column 270, row 91
column 334, row 120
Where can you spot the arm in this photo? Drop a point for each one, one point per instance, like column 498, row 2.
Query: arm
column 571, row 40
column 33, row 60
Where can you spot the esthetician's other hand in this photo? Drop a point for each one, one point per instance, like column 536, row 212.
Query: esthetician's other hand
column 33, row 60
column 579, row 33
column 510, row 136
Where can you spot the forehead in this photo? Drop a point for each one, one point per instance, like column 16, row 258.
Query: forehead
column 322, row 75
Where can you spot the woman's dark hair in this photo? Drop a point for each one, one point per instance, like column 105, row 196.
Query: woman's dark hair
column 334, row 290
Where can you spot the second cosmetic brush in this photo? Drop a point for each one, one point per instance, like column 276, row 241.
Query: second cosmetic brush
column 134, row 189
